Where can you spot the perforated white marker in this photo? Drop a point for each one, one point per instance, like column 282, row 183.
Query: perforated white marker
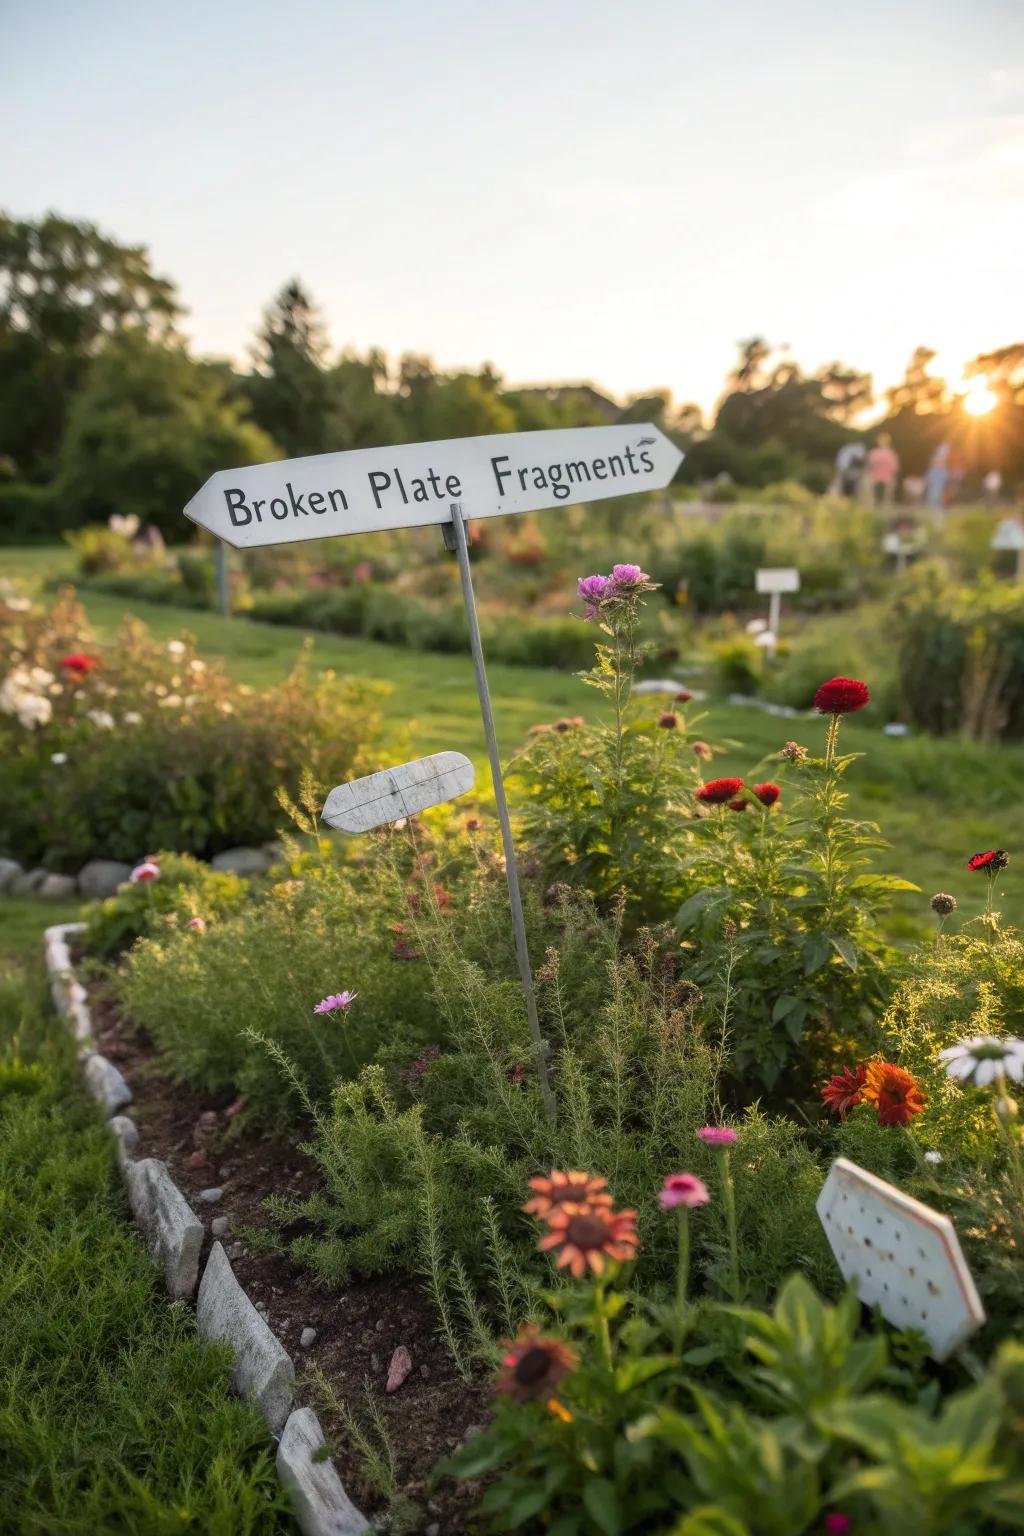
column 900, row 1256
column 394, row 793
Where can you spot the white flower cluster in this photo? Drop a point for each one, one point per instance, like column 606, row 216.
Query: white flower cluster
column 23, row 693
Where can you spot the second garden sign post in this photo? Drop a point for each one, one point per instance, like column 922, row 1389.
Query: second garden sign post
column 415, row 485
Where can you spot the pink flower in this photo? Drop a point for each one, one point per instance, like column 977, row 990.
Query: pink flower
column 197, row 924
column 593, row 588
column 717, row 1135
column 838, row 1524
column 336, row 1001
column 147, row 870
column 628, row 575
column 683, row 1189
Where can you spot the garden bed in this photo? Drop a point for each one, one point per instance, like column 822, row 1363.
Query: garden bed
column 357, row 1329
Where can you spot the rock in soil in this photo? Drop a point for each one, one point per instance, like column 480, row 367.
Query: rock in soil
column 307, row 1337
column 263, row 1370
column 398, row 1370
column 219, row 1226
column 210, row 1196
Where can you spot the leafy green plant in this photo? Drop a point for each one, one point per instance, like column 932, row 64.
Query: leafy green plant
column 183, row 894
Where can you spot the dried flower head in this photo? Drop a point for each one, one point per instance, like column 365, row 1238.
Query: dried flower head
column 586, row 1236
column 533, row 1365
column 794, row 752
column 943, row 904
column 703, row 750
column 844, row 1090
column 719, row 791
column 992, row 861
column 841, row 696
column 574, row 1188
column 740, row 803
column 683, row 696
column 894, row 1092
column 768, row 793
column 683, row 1189
column 669, row 720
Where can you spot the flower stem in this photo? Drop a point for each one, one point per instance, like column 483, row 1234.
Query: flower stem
column 604, row 1338
column 682, row 1278
column 729, row 1201
column 830, row 741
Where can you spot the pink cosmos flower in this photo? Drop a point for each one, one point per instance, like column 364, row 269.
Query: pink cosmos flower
column 838, row 1524
column 628, row 575
column 717, row 1135
column 197, row 924
column 336, row 1001
column 147, row 870
column 683, row 1189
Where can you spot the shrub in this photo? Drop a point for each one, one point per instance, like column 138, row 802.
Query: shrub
column 113, row 751
column 183, row 890
column 961, row 657
column 29, row 513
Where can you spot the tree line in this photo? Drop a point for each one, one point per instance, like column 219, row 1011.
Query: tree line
column 104, row 408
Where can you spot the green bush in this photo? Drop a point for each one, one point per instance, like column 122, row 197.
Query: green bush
column 961, row 657
column 183, row 890
column 144, row 745
column 29, row 514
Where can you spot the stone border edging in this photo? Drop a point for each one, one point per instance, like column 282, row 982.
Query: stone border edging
column 263, row 1370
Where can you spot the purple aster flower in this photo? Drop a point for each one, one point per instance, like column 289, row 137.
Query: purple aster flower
column 717, row 1136
column 628, row 575
column 342, row 1000
column 593, row 588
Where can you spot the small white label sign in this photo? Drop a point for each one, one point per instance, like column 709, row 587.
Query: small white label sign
column 394, row 793
column 414, row 485
column 778, row 578
column 900, row 1256
column 1009, row 534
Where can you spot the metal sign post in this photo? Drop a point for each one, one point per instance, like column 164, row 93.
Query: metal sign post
column 220, row 554
column 455, row 538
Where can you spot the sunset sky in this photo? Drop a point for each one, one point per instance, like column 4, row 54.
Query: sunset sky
column 568, row 190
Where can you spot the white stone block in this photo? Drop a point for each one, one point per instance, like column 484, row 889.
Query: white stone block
column 173, row 1232
column 263, row 1370
column 105, row 1083
column 320, row 1503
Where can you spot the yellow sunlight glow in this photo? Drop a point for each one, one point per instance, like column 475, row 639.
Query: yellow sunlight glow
column 979, row 399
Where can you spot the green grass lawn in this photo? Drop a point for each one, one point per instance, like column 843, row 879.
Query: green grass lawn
column 114, row 1415
column 937, row 801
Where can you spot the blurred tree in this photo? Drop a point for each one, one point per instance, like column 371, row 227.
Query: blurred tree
column 147, row 428
column 365, row 413
column 65, row 288
column 438, row 405
column 918, row 417
column 290, row 390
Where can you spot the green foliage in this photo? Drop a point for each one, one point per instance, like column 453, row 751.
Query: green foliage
column 113, row 1414
column 147, row 427
column 152, row 747
column 796, row 1422
column 961, row 658
column 184, row 889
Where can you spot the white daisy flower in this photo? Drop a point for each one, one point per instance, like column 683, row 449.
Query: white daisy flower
column 982, row 1059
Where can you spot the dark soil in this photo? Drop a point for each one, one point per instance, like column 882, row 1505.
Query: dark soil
column 357, row 1330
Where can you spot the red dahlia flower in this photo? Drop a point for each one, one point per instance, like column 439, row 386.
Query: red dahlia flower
column 841, row 696
column 992, row 861
column 738, row 804
column 718, row 791
column 844, row 1090
column 768, row 794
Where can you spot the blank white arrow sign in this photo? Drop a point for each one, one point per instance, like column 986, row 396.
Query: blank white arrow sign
column 394, row 793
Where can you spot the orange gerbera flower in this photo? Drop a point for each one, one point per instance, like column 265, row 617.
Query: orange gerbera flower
column 894, row 1091
column 586, row 1235
column 558, row 1187
column 533, row 1365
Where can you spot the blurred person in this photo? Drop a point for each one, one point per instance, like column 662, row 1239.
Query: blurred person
column 849, row 467
column 883, row 471
column 956, row 469
column 937, row 478
column 992, row 485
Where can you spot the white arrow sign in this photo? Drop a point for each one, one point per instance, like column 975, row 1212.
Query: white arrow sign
column 413, row 485
column 363, row 804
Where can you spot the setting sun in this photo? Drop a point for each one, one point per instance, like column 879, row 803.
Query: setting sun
column 979, row 399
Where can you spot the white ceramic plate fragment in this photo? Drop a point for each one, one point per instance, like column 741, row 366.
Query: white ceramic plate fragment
column 900, row 1256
